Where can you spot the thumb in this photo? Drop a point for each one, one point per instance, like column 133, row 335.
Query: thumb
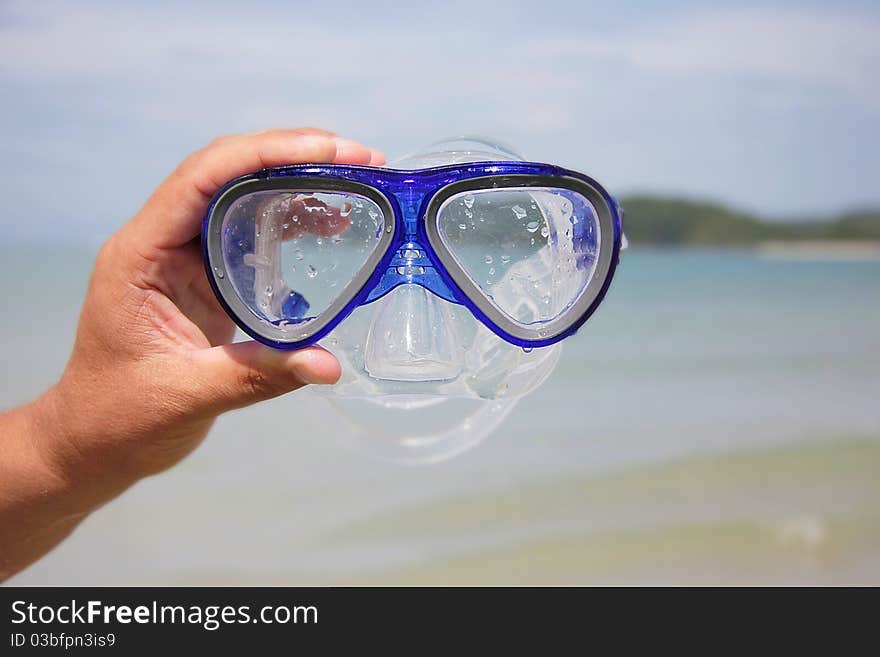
column 235, row 375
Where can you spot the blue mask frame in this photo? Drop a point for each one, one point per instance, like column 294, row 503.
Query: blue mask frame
column 413, row 197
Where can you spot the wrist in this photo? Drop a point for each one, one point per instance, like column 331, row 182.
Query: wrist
column 42, row 498
column 52, row 475
column 35, row 508
column 68, row 450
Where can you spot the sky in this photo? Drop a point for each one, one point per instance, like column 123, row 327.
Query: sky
column 771, row 107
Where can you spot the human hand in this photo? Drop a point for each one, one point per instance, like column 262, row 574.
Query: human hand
column 151, row 366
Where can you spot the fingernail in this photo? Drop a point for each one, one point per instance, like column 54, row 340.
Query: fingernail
column 307, row 367
column 318, row 148
column 312, row 140
column 346, row 145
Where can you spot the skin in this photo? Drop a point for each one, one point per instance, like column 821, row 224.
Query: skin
column 152, row 365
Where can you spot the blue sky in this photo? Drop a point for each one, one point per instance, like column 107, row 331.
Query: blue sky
column 773, row 107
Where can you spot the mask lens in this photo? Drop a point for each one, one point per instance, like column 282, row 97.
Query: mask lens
column 531, row 250
column 293, row 255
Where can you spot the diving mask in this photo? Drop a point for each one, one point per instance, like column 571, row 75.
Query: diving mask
column 452, row 277
column 292, row 251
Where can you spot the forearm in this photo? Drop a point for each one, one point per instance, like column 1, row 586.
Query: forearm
column 42, row 499
column 152, row 365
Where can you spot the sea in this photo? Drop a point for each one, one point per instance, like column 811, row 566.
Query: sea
column 716, row 422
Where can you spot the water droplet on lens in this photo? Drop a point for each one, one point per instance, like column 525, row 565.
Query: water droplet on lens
column 219, row 272
column 469, row 201
column 491, row 271
column 488, row 260
column 545, row 231
column 462, row 226
column 311, row 272
column 573, row 220
column 532, row 226
column 319, row 241
column 505, row 259
column 519, row 212
column 527, row 350
column 298, row 254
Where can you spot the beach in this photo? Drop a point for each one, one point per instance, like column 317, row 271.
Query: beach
column 717, row 421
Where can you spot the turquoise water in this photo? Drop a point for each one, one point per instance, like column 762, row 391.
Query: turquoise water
column 717, row 421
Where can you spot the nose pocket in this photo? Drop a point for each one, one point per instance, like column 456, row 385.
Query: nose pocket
column 412, row 338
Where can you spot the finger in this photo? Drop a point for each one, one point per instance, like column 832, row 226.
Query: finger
column 351, row 152
column 173, row 214
column 305, row 131
column 314, row 217
column 295, row 217
column 377, row 158
column 240, row 374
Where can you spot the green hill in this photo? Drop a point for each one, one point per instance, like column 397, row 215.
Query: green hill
column 677, row 221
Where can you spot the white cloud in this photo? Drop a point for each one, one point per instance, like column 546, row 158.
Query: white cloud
column 677, row 101
column 836, row 50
